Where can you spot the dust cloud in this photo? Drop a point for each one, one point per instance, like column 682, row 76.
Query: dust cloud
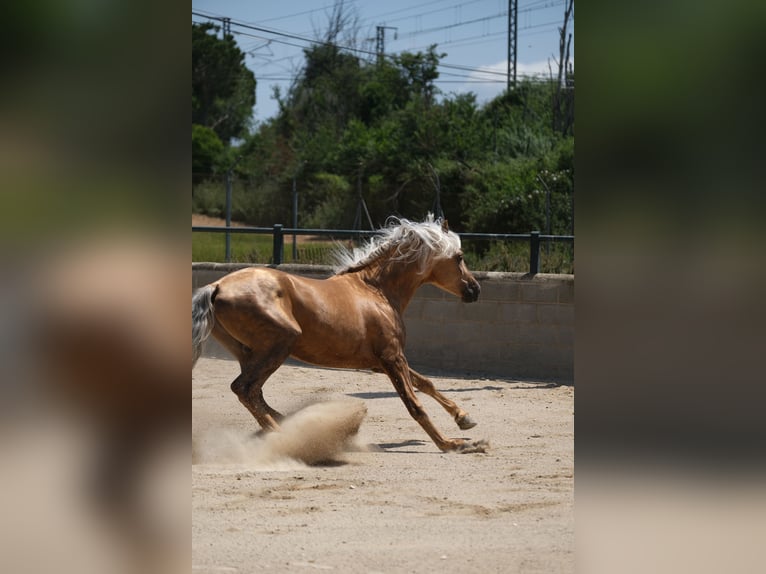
column 315, row 434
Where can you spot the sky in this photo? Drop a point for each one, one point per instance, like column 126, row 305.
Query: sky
column 473, row 34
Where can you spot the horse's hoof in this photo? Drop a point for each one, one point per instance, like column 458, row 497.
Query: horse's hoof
column 465, row 422
column 473, row 446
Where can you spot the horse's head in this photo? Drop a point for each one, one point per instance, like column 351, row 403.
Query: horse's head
column 452, row 275
column 449, row 271
column 429, row 252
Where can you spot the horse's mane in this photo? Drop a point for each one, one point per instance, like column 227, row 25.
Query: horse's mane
column 401, row 240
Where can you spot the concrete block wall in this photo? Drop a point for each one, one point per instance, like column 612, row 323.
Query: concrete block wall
column 521, row 327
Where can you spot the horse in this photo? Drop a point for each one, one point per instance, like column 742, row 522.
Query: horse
column 353, row 319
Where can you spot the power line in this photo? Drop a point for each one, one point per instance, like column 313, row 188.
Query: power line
column 310, row 41
column 414, row 7
column 442, row 9
column 265, row 30
column 318, row 42
column 523, row 31
column 456, row 25
column 369, row 19
column 275, row 40
column 540, row 5
column 288, row 16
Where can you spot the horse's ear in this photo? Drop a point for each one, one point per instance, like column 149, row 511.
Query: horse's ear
column 445, row 226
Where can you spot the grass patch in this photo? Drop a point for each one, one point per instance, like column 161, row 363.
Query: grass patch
column 254, row 248
column 514, row 256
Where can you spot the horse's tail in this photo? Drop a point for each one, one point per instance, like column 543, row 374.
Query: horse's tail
column 203, row 318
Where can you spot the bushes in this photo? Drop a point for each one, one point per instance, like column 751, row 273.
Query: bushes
column 514, row 256
column 207, row 153
column 209, row 198
column 259, row 205
column 329, row 203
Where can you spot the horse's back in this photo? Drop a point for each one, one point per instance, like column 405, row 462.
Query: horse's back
column 250, row 280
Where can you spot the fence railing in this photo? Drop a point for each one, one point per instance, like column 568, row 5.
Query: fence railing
column 278, row 233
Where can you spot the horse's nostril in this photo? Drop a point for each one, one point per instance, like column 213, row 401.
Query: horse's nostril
column 471, row 292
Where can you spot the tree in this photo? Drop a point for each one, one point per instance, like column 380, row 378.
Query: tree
column 381, row 127
column 420, row 71
column 207, row 153
column 223, row 88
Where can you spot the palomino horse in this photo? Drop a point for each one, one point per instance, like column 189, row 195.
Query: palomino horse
column 351, row 320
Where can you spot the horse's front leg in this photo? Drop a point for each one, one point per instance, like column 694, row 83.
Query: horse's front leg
column 425, row 385
column 399, row 373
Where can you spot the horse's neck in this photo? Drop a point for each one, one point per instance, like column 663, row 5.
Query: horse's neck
column 397, row 282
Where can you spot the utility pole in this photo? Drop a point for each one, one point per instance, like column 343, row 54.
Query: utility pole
column 295, row 209
column 564, row 46
column 380, row 40
column 226, row 27
column 513, row 33
column 228, row 208
column 563, row 103
column 360, row 204
column 295, row 216
column 437, row 205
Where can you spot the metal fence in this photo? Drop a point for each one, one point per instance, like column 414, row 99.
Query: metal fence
column 278, row 233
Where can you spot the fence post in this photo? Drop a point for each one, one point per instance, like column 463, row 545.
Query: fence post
column 279, row 244
column 534, row 252
column 227, row 249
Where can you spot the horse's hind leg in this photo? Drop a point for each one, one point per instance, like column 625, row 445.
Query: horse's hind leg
column 424, row 384
column 260, row 333
column 249, row 386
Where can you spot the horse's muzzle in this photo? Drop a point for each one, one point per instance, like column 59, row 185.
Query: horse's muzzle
column 471, row 292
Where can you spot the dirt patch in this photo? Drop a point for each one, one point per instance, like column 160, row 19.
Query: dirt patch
column 207, row 220
column 392, row 502
column 199, row 219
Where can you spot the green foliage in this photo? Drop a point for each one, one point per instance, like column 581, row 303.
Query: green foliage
column 419, row 72
column 328, row 96
column 207, row 153
column 505, row 198
column 384, row 128
column 329, row 202
column 258, row 205
column 245, row 248
column 383, row 92
column 514, row 256
column 209, row 198
column 257, row 248
column 223, row 88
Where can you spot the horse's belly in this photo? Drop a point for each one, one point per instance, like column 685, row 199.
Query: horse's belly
column 338, row 358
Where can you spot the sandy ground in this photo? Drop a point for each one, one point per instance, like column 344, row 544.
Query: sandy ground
column 391, row 502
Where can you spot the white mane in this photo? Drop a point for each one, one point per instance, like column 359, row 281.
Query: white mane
column 411, row 242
